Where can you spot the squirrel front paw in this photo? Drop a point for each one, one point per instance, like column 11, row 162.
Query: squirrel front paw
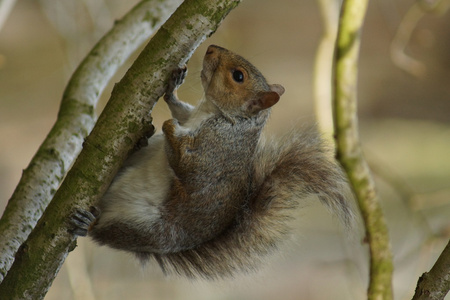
column 82, row 220
column 169, row 127
column 178, row 76
column 176, row 79
column 177, row 142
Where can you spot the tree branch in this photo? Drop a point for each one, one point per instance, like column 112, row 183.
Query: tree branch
column 349, row 150
column 123, row 122
column 6, row 7
column 76, row 119
column 434, row 285
column 329, row 10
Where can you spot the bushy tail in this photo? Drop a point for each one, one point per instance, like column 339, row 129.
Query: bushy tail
column 299, row 165
column 286, row 172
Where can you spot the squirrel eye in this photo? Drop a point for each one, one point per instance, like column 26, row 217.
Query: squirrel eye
column 238, row 76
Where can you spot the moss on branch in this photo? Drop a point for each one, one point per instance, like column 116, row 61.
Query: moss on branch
column 349, row 151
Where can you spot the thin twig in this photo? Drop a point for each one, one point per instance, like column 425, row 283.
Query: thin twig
column 329, row 10
column 401, row 40
column 405, row 30
column 6, row 7
column 349, row 151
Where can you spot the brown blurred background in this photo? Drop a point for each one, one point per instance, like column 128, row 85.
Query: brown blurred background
column 405, row 130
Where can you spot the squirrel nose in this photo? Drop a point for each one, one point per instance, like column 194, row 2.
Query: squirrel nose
column 213, row 49
column 210, row 50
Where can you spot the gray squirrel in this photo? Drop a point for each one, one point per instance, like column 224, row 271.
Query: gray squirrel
column 208, row 197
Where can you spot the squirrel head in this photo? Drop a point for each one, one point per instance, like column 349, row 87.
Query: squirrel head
column 235, row 86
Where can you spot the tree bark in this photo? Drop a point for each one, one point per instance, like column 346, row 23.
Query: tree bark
column 349, row 151
column 435, row 284
column 76, row 119
column 124, row 121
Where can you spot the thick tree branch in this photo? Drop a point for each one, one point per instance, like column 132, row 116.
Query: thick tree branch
column 434, row 285
column 349, row 150
column 76, row 119
column 124, row 121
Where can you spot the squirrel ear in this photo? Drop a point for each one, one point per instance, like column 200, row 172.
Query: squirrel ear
column 264, row 101
column 277, row 88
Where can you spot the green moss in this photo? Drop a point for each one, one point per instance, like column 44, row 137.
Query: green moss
column 128, row 141
column 216, row 15
column 152, row 19
column 48, row 154
column 71, row 107
column 133, row 127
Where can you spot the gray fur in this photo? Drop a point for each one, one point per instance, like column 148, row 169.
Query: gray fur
column 208, row 197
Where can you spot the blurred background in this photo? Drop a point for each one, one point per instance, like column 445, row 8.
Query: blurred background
column 404, row 115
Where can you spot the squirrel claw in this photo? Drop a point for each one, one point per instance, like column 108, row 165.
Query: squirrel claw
column 178, row 76
column 82, row 220
column 176, row 79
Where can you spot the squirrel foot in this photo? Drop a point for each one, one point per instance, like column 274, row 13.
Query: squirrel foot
column 82, row 220
column 143, row 141
column 176, row 79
